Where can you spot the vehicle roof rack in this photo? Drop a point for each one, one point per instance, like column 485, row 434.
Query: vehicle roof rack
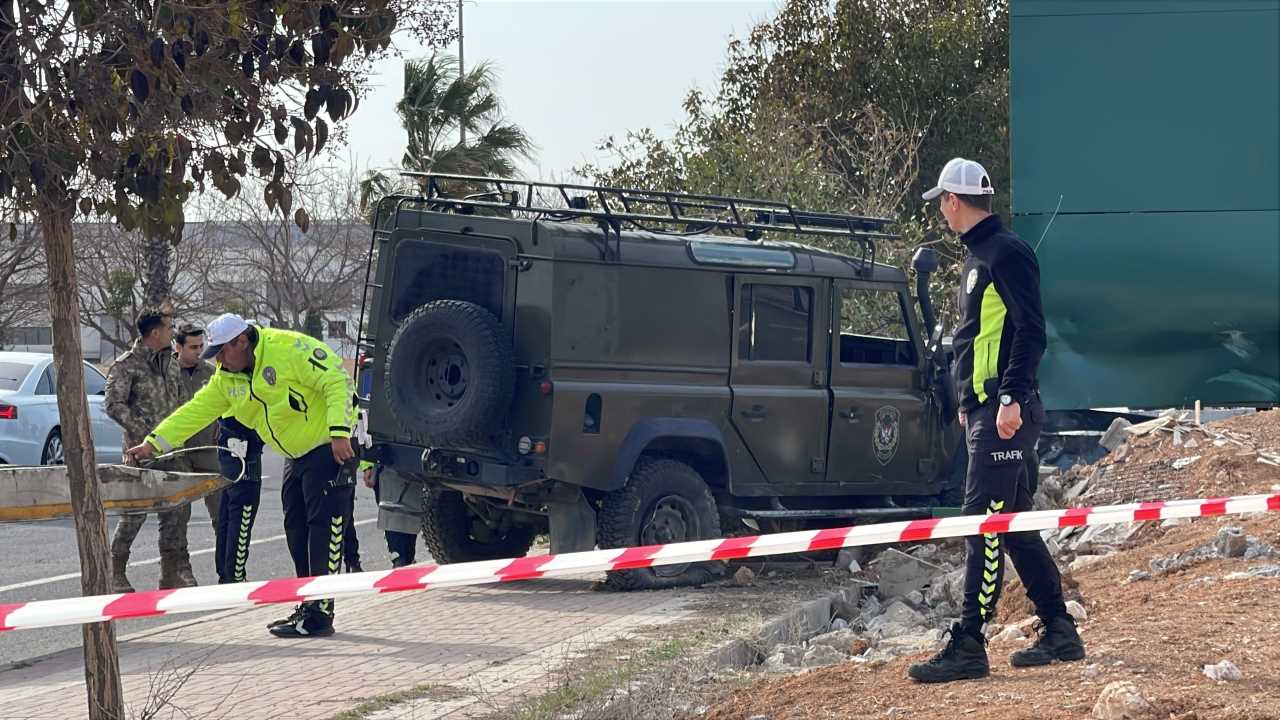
column 699, row 214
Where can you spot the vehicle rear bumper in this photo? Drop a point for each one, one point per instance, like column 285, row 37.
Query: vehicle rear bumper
column 451, row 466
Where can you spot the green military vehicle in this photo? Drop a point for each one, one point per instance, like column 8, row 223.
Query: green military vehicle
column 630, row 367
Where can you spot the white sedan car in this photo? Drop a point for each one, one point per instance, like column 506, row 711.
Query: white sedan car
column 29, row 425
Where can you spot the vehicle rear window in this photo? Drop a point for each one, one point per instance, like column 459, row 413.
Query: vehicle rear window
column 12, row 374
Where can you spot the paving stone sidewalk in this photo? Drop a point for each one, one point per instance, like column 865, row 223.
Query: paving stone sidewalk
column 491, row 645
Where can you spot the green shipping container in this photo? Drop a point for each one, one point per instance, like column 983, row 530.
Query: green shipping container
column 1145, row 136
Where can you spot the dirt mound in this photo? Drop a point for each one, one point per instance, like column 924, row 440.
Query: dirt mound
column 1161, row 607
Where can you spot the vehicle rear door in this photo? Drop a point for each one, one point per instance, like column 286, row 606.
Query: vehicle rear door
column 881, row 422
column 781, row 404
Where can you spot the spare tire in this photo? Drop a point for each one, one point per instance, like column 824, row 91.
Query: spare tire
column 450, row 374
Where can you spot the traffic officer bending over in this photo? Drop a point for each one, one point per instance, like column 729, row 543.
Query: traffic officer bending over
column 998, row 346
column 290, row 389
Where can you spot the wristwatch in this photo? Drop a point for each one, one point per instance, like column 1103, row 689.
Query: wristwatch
column 1006, row 399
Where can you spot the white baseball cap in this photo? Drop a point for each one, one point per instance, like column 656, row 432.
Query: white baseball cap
column 962, row 177
column 224, row 328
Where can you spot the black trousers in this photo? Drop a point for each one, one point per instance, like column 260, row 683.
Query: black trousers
column 999, row 481
column 239, row 506
column 350, row 540
column 315, row 496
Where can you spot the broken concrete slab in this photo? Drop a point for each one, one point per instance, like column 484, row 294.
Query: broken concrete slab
column 1231, row 542
column 1115, row 435
column 901, row 573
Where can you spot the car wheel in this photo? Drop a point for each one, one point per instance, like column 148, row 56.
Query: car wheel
column 53, row 452
column 450, row 374
column 664, row 501
column 454, row 533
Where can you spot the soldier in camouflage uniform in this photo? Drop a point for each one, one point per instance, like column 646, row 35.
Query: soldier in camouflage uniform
column 143, row 387
column 193, row 373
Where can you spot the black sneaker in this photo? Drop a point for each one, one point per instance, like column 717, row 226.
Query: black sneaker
column 294, row 617
column 311, row 624
column 963, row 658
column 1059, row 641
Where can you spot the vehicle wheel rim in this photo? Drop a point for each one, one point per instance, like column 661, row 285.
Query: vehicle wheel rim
column 447, row 375
column 54, row 452
column 673, row 519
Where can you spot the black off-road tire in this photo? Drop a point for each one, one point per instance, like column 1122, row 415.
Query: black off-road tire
column 450, row 374
column 628, row 517
column 447, row 531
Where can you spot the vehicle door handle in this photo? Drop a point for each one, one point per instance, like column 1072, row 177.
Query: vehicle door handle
column 755, row 413
column 853, row 415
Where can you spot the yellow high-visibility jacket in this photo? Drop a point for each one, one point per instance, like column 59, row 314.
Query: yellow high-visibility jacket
column 296, row 396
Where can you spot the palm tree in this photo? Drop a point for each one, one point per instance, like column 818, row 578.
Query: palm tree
column 438, row 103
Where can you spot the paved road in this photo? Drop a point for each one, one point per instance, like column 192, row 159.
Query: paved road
column 39, row 561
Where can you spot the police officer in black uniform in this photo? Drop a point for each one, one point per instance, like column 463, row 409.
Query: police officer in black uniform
column 240, row 501
column 998, row 346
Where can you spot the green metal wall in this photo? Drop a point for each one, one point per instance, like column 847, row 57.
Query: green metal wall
column 1156, row 125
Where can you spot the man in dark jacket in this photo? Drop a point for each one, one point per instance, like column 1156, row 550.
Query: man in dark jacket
column 998, row 346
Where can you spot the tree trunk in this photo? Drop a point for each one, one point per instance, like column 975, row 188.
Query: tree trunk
column 101, row 664
column 158, row 251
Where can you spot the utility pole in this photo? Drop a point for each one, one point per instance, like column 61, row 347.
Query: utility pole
column 462, row 126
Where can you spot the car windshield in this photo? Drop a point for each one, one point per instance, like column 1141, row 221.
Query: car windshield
column 12, row 374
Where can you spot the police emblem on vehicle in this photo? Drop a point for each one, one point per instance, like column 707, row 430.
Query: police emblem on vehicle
column 884, row 439
column 971, row 281
column 269, row 374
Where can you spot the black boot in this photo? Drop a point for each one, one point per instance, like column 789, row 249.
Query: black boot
column 294, row 617
column 312, row 623
column 1059, row 641
column 964, row 658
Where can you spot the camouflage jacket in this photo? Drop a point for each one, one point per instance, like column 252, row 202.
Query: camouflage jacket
column 143, row 387
column 191, row 380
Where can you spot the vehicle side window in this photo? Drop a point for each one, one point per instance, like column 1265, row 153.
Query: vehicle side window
column 873, row 328
column 45, row 386
column 775, row 323
column 94, row 382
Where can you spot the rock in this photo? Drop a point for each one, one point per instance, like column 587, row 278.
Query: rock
column 1077, row 611
column 1121, row 701
column 759, row 717
column 871, row 609
column 839, row 624
column 1139, row 576
column 1231, row 542
column 901, row 573
column 1011, row 633
column 1115, row 436
column 1084, row 561
column 821, row 655
column 1225, row 671
column 898, row 613
column 744, row 577
column 910, row 644
column 841, row 640
column 915, row 598
column 1174, row 522
column 784, row 658
column 1092, row 672
column 847, row 559
column 1075, row 491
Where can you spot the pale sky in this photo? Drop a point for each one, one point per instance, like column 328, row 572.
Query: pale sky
column 573, row 72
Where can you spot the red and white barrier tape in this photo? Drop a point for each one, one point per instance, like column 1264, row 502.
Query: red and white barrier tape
column 72, row 611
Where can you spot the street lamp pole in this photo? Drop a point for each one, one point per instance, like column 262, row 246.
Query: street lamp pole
column 462, row 126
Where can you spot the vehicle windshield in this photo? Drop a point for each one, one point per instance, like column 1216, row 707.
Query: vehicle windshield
column 12, row 374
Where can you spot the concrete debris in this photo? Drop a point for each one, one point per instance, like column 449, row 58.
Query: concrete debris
column 1174, row 522
column 744, row 577
column 1121, row 701
column 1085, row 561
column 918, row 642
column 1184, row 462
column 841, row 640
column 1115, row 435
column 847, row 559
column 821, row 656
column 784, row 658
column 1091, row 672
column 759, row 717
column 1077, row 611
column 1010, row 633
column 1261, row 571
column 1139, row 576
column 1225, row 671
column 1231, row 542
column 1179, row 561
column 1148, row 427
column 1076, row 490
column 839, row 624
column 898, row 613
column 901, row 573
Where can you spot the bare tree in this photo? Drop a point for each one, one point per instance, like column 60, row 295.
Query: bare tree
column 23, row 292
column 113, row 287
column 276, row 272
